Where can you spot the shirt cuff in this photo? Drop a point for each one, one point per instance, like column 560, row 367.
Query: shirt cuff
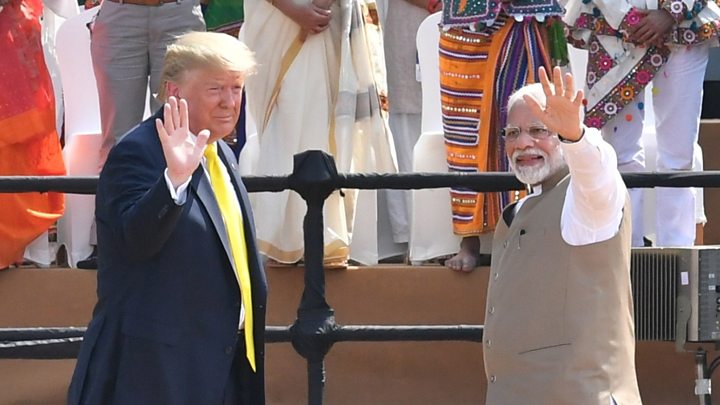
column 178, row 195
column 590, row 137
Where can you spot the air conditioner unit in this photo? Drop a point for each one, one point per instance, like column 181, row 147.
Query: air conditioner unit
column 676, row 294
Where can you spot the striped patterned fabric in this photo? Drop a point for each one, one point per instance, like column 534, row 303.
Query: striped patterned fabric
column 478, row 72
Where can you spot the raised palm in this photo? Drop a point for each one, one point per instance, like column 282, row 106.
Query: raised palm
column 563, row 105
column 182, row 151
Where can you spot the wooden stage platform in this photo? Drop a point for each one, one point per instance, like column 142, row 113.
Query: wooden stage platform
column 397, row 373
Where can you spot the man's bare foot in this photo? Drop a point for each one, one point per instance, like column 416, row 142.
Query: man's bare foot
column 468, row 257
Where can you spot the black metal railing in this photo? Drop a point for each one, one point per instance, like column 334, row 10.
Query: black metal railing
column 314, row 331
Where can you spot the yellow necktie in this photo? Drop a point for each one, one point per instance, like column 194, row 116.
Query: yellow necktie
column 232, row 217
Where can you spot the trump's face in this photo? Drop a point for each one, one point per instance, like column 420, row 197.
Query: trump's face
column 533, row 151
column 214, row 97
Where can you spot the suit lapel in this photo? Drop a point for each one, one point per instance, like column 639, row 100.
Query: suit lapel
column 201, row 184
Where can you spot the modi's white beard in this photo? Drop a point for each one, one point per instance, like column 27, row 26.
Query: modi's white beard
column 533, row 175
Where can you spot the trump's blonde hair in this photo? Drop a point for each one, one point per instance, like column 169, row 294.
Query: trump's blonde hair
column 204, row 50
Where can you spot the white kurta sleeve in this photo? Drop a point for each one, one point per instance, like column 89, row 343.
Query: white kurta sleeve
column 593, row 206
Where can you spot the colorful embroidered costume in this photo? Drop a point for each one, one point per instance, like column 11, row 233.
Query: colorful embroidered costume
column 29, row 143
column 485, row 55
column 618, row 72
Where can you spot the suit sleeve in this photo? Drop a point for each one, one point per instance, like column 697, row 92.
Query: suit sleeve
column 139, row 207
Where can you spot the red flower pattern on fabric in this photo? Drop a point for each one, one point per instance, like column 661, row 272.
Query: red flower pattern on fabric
column 594, row 122
column 633, row 17
column 643, row 77
column 605, row 63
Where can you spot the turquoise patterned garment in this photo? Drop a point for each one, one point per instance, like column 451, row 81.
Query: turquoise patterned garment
column 480, row 13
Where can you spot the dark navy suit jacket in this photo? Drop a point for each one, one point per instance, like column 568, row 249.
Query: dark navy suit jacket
column 164, row 329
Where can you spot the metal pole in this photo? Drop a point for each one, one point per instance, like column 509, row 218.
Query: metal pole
column 313, row 297
column 314, row 177
column 316, row 382
column 702, row 384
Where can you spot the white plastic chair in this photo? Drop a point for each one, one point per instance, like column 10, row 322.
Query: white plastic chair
column 431, row 234
column 82, row 131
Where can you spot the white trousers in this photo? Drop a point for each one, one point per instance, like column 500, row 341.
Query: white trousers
column 677, row 100
column 406, row 131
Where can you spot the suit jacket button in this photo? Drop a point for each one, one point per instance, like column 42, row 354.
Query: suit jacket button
column 237, row 304
column 228, row 350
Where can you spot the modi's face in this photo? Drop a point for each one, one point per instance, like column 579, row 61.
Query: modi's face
column 533, row 151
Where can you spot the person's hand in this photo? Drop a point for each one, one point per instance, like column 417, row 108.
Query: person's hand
column 433, row 6
column 324, row 4
column 652, row 28
column 182, row 152
column 562, row 107
column 313, row 18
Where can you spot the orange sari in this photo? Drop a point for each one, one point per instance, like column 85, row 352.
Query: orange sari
column 29, row 142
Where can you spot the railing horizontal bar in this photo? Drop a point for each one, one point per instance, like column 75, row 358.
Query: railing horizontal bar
column 61, row 343
column 376, row 333
column 488, row 182
column 45, row 349
column 497, row 181
column 266, row 183
column 10, row 335
column 88, row 184
column 64, row 343
column 43, row 184
column 277, row 334
column 708, row 178
column 18, row 334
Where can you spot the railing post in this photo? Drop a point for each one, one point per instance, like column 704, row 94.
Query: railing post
column 314, row 176
column 703, row 382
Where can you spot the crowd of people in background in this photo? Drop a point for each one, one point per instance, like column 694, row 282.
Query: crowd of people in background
column 182, row 289
column 342, row 77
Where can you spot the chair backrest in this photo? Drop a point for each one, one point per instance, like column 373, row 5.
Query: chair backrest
column 427, row 39
column 82, row 109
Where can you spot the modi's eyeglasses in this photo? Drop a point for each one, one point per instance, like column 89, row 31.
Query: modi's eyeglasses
column 537, row 132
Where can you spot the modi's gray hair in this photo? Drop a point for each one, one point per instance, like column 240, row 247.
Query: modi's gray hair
column 535, row 90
